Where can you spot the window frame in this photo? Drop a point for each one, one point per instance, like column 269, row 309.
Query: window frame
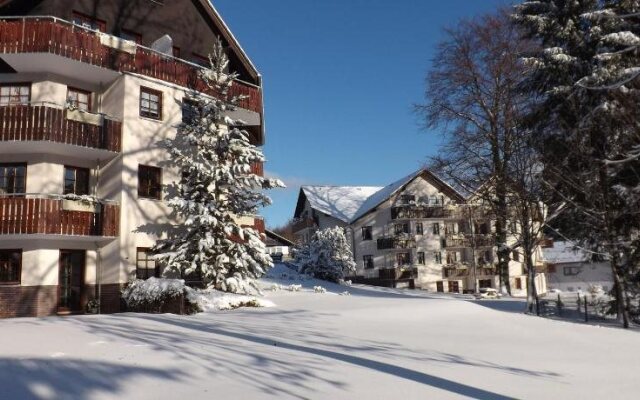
column 367, row 233
column 5, row 165
column 75, row 184
column 420, row 258
column 436, row 228
column 148, row 194
column 156, row 268
column 151, row 92
column 419, row 228
column 18, row 273
column 405, row 228
column 19, row 85
column 437, row 255
column 89, row 20
column 77, row 103
column 367, row 261
column 401, row 255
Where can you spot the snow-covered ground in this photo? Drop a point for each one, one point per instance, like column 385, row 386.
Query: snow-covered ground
column 372, row 344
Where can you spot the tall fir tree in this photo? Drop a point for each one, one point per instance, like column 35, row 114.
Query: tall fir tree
column 327, row 256
column 213, row 154
column 575, row 125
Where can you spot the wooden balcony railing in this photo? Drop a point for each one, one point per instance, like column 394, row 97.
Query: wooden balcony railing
column 257, row 168
column 48, row 216
column 395, row 243
column 303, row 224
column 48, row 123
column 56, row 36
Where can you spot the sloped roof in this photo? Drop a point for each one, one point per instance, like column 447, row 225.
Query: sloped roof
column 563, row 252
column 273, row 239
column 386, row 192
column 341, row 202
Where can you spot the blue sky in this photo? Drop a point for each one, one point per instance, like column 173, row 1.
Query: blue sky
column 340, row 81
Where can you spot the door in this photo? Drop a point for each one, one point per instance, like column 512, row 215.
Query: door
column 71, row 280
column 454, row 287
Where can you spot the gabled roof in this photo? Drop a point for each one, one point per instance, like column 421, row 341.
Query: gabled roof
column 280, row 240
column 341, row 202
column 385, row 193
column 563, row 252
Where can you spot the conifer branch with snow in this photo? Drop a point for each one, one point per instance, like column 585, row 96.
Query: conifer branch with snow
column 214, row 155
column 327, row 256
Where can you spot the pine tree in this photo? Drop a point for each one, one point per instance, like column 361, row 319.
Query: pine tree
column 577, row 126
column 327, row 256
column 214, row 156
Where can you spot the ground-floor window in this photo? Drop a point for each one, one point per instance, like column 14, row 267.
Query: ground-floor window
column 484, row 283
column 10, row 266
column 146, row 266
column 367, row 261
column 518, row 283
column 440, row 286
column 454, row 287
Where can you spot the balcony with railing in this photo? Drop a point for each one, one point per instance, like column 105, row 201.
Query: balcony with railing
column 398, row 273
column 392, row 243
column 468, row 241
column 51, row 35
column 37, row 214
column 422, row 212
column 48, row 122
column 302, row 224
column 459, row 271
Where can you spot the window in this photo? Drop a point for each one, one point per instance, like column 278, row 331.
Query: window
column 10, row 265
column 421, row 257
column 401, row 228
column 89, row 22
column 13, row 178
column 484, row 283
column 419, row 228
column 150, row 103
column 367, row 233
column 572, row 271
column 190, row 110
column 149, row 182
column 80, row 99
column 407, row 198
column 200, row 60
column 515, row 255
column 436, row 228
column 403, row 259
column 176, row 51
column 438, row 257
column 439, row 286
column 452, row 257
column 551, row 268
column 76, row 180
column 146, row 267
column 15, row 94
column 367, row 262
column 131, row 35
column 519, row 283
column 454, row 287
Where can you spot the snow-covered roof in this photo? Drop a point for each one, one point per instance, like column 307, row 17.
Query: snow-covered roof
column 563, row 252
column 341, row 202
column 386, row 192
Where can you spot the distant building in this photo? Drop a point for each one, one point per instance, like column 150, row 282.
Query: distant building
column 278, row 246
column 570, row 269
column 412, row 233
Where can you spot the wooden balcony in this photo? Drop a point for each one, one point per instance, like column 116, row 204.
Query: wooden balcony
column 303, row 224
column 25, row 123
column 391, row 243
column 422, row 212
column 467, row 241
column 56, row 36
column 257, row 168
column 398, row 273
column 50, row 216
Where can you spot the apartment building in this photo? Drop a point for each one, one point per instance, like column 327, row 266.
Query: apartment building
column 88, row 89
column 416, row 232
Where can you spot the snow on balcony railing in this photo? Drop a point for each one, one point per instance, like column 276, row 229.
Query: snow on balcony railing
column 46, row 34
column 28, row 214
column 52, row 122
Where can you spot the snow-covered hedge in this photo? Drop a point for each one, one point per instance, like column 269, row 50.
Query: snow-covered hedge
column 172, row 295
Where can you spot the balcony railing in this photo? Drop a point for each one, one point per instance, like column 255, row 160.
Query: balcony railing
column 398, row 273
column 51, row 215
column 466, row 241
column 57, row 36
column 44, row 122
column 395, row 243
column 459, row 272
column 303, row 224
column 416, row 212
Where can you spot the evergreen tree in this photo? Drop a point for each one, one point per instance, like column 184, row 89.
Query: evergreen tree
column 327, row 256
column 214, row 156
column 576, row 124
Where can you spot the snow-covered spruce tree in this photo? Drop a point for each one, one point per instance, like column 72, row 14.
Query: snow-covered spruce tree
column 214, row 156
column 578, row 128
column 327, row 256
